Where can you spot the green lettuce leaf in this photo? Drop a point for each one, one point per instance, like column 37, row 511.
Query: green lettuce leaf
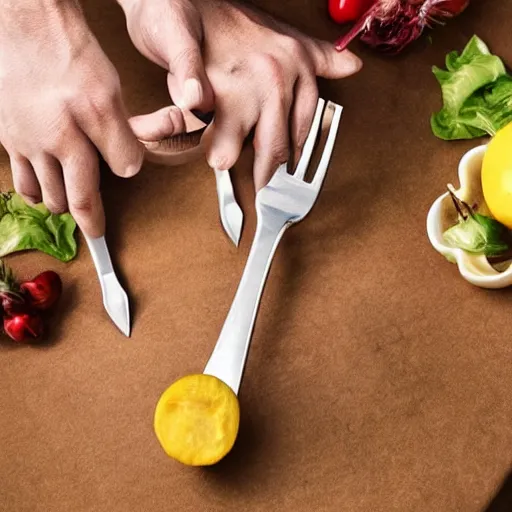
column 475, row 48
column 479, row 234
column 477, row 94
column 491, row 109
column 24, row 227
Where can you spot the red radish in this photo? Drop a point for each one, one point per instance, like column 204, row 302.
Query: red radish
column 12, row 302
column 44, row 290
column 390, row 25
column 22, row 326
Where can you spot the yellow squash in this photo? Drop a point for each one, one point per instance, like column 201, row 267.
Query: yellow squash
column 196, row 420
column 497, row 176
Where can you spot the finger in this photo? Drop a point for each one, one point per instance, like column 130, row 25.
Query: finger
column 329, row 62
column 271, row 139
column 188, row 84
column 25, row 180
column 225, row 138
column 49, row 174
column 82, row 184
column 163, row 123
column 303, row 111
column 106, row 125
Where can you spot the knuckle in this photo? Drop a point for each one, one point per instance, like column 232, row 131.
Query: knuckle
column 56, row 206
column 152, row 12
column 100, row 105
column 59, row 140
column 292, row 46
column 184, row 57
column 99, row 99
column 176, row 11
column 278, row 153
column 83, row 159
column 82, row 205
column 272, row 68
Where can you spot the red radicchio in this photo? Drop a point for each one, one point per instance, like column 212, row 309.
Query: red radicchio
column 390, row 25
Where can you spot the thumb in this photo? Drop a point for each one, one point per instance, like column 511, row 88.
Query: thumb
column 188, row 83
column 161, row 124
column 331, row 63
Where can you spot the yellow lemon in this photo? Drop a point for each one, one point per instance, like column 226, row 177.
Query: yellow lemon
column 497, row 176
column 196, row 420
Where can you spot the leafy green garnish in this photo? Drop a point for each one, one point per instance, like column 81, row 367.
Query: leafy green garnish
column 477, row 94
column 476, row 233
column 24, row 227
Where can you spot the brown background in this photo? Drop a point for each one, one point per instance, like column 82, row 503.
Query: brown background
column 378, row 379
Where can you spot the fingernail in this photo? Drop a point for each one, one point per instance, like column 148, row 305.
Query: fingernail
column 174, row 110
column 218, row 163
column 192, row 94
column 151, row 144
column 177, row 122
column 133, row 169
column 356, row 63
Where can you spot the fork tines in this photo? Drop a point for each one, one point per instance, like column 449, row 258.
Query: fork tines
column 327, row 117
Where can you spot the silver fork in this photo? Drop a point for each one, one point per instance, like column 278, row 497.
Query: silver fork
column 286, row 200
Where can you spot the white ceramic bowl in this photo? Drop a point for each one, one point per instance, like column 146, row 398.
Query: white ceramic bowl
column 474, row 268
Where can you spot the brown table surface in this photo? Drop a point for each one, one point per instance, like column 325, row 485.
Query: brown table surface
column 378, row 379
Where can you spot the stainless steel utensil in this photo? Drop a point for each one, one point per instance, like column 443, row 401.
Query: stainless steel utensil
column 286, row 200
column 230, row 212
column 115, row 299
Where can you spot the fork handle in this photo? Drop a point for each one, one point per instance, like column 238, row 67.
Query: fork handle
column 227, row 361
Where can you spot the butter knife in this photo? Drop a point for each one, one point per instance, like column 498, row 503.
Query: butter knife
column 115, row 299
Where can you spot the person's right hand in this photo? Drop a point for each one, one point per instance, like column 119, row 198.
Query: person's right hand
column 60, row 100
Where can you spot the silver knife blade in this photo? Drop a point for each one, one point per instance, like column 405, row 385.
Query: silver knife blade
column 116, row 302
column 231, row 214
column 115, row 299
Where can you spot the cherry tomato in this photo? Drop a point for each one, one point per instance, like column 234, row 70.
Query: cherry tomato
column 345, row 11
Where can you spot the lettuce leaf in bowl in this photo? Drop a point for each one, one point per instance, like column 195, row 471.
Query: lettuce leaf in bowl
column 24, row 227
column 476, row 91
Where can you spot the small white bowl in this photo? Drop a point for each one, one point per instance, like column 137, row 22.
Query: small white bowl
column 442, row 215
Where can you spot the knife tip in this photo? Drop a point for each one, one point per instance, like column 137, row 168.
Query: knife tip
column 125, row 330
column 235, row 240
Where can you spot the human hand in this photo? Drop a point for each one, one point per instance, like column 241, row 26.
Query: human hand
column 262, row 73
column 60, row 99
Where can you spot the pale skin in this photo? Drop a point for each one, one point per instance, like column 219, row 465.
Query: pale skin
column 61, row 101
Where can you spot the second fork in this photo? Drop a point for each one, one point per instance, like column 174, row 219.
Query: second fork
column 286, row 200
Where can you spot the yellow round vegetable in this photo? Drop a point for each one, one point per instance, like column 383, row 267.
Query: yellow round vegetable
column 196, row 420
column 497, row 176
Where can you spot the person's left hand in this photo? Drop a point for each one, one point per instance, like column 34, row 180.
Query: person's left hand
column 259, row 73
